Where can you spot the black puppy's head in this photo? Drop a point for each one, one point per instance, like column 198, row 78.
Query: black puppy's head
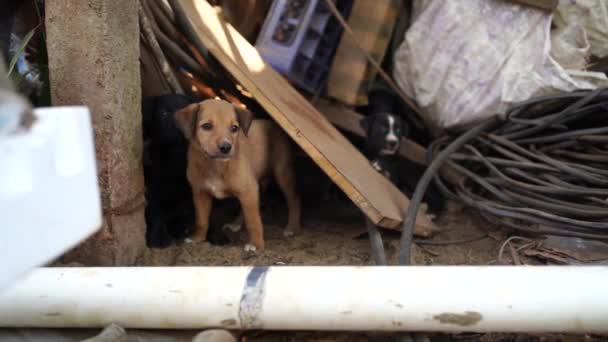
column 384, row 132
column 158, row 118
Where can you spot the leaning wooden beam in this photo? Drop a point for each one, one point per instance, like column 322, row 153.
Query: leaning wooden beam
column 146, row 28
column 348, row 120
column 382, row 202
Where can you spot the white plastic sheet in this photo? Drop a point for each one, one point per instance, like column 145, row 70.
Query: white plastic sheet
column 49, row 196
column 467, row 60
column 570, row 47
column 590, row 14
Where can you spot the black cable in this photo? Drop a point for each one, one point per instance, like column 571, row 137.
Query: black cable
column 544, row 170
column 377, row 245
column 527, row 172
column 412, row 210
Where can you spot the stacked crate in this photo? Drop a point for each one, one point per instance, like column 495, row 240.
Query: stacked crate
column 299, row 38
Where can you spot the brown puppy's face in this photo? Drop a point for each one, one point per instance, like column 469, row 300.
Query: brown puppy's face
column 214, row 126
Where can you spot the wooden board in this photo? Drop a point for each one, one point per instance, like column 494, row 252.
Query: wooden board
column 330, row 150
column 348, row 120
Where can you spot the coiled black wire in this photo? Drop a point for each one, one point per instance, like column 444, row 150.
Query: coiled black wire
column 543, row 169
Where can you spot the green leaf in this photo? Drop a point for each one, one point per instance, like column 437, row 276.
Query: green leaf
column 19, row 51
column 40, row 19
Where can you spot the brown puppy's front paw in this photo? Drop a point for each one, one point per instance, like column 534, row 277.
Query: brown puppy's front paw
column 250, row 251
column 254, row 246
column 250, row 248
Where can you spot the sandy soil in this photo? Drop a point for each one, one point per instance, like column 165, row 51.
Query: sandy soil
column 333, row 234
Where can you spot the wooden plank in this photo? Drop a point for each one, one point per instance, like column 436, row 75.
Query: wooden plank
column 342, row 162
column 341, row 116
column 348, row 120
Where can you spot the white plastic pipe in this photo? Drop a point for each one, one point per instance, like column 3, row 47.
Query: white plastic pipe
column 457, row 298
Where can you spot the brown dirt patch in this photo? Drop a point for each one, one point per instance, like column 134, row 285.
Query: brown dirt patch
column 331, row 236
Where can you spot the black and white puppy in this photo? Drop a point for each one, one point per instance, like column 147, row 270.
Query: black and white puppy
column 170, row 210
column 384, row 132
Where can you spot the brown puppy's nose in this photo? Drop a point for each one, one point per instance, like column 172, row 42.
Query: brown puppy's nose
column 225, row 147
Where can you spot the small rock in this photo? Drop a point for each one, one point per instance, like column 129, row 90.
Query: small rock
column 215, row 335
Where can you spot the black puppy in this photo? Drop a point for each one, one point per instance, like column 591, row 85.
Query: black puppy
column 170, row 209
column 384, row 132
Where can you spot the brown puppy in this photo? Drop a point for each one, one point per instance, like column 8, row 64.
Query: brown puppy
column 229, row 154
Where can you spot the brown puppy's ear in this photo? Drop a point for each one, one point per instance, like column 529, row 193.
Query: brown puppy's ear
column 186, row 119
column 244, row 116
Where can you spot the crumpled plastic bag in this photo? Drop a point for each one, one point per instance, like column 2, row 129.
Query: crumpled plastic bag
column 590, row 14
column 570, row 47
column 467, row 60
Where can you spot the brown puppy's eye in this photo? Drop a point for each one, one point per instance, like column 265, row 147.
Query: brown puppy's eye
column 207, row 126
column 234, row 128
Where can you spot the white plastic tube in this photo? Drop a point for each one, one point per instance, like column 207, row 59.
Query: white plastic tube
column 457, row 298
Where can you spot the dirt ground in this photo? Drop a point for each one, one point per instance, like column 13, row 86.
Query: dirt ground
column 333, row 234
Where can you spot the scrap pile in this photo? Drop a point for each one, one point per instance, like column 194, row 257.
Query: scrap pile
column 543, row 170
